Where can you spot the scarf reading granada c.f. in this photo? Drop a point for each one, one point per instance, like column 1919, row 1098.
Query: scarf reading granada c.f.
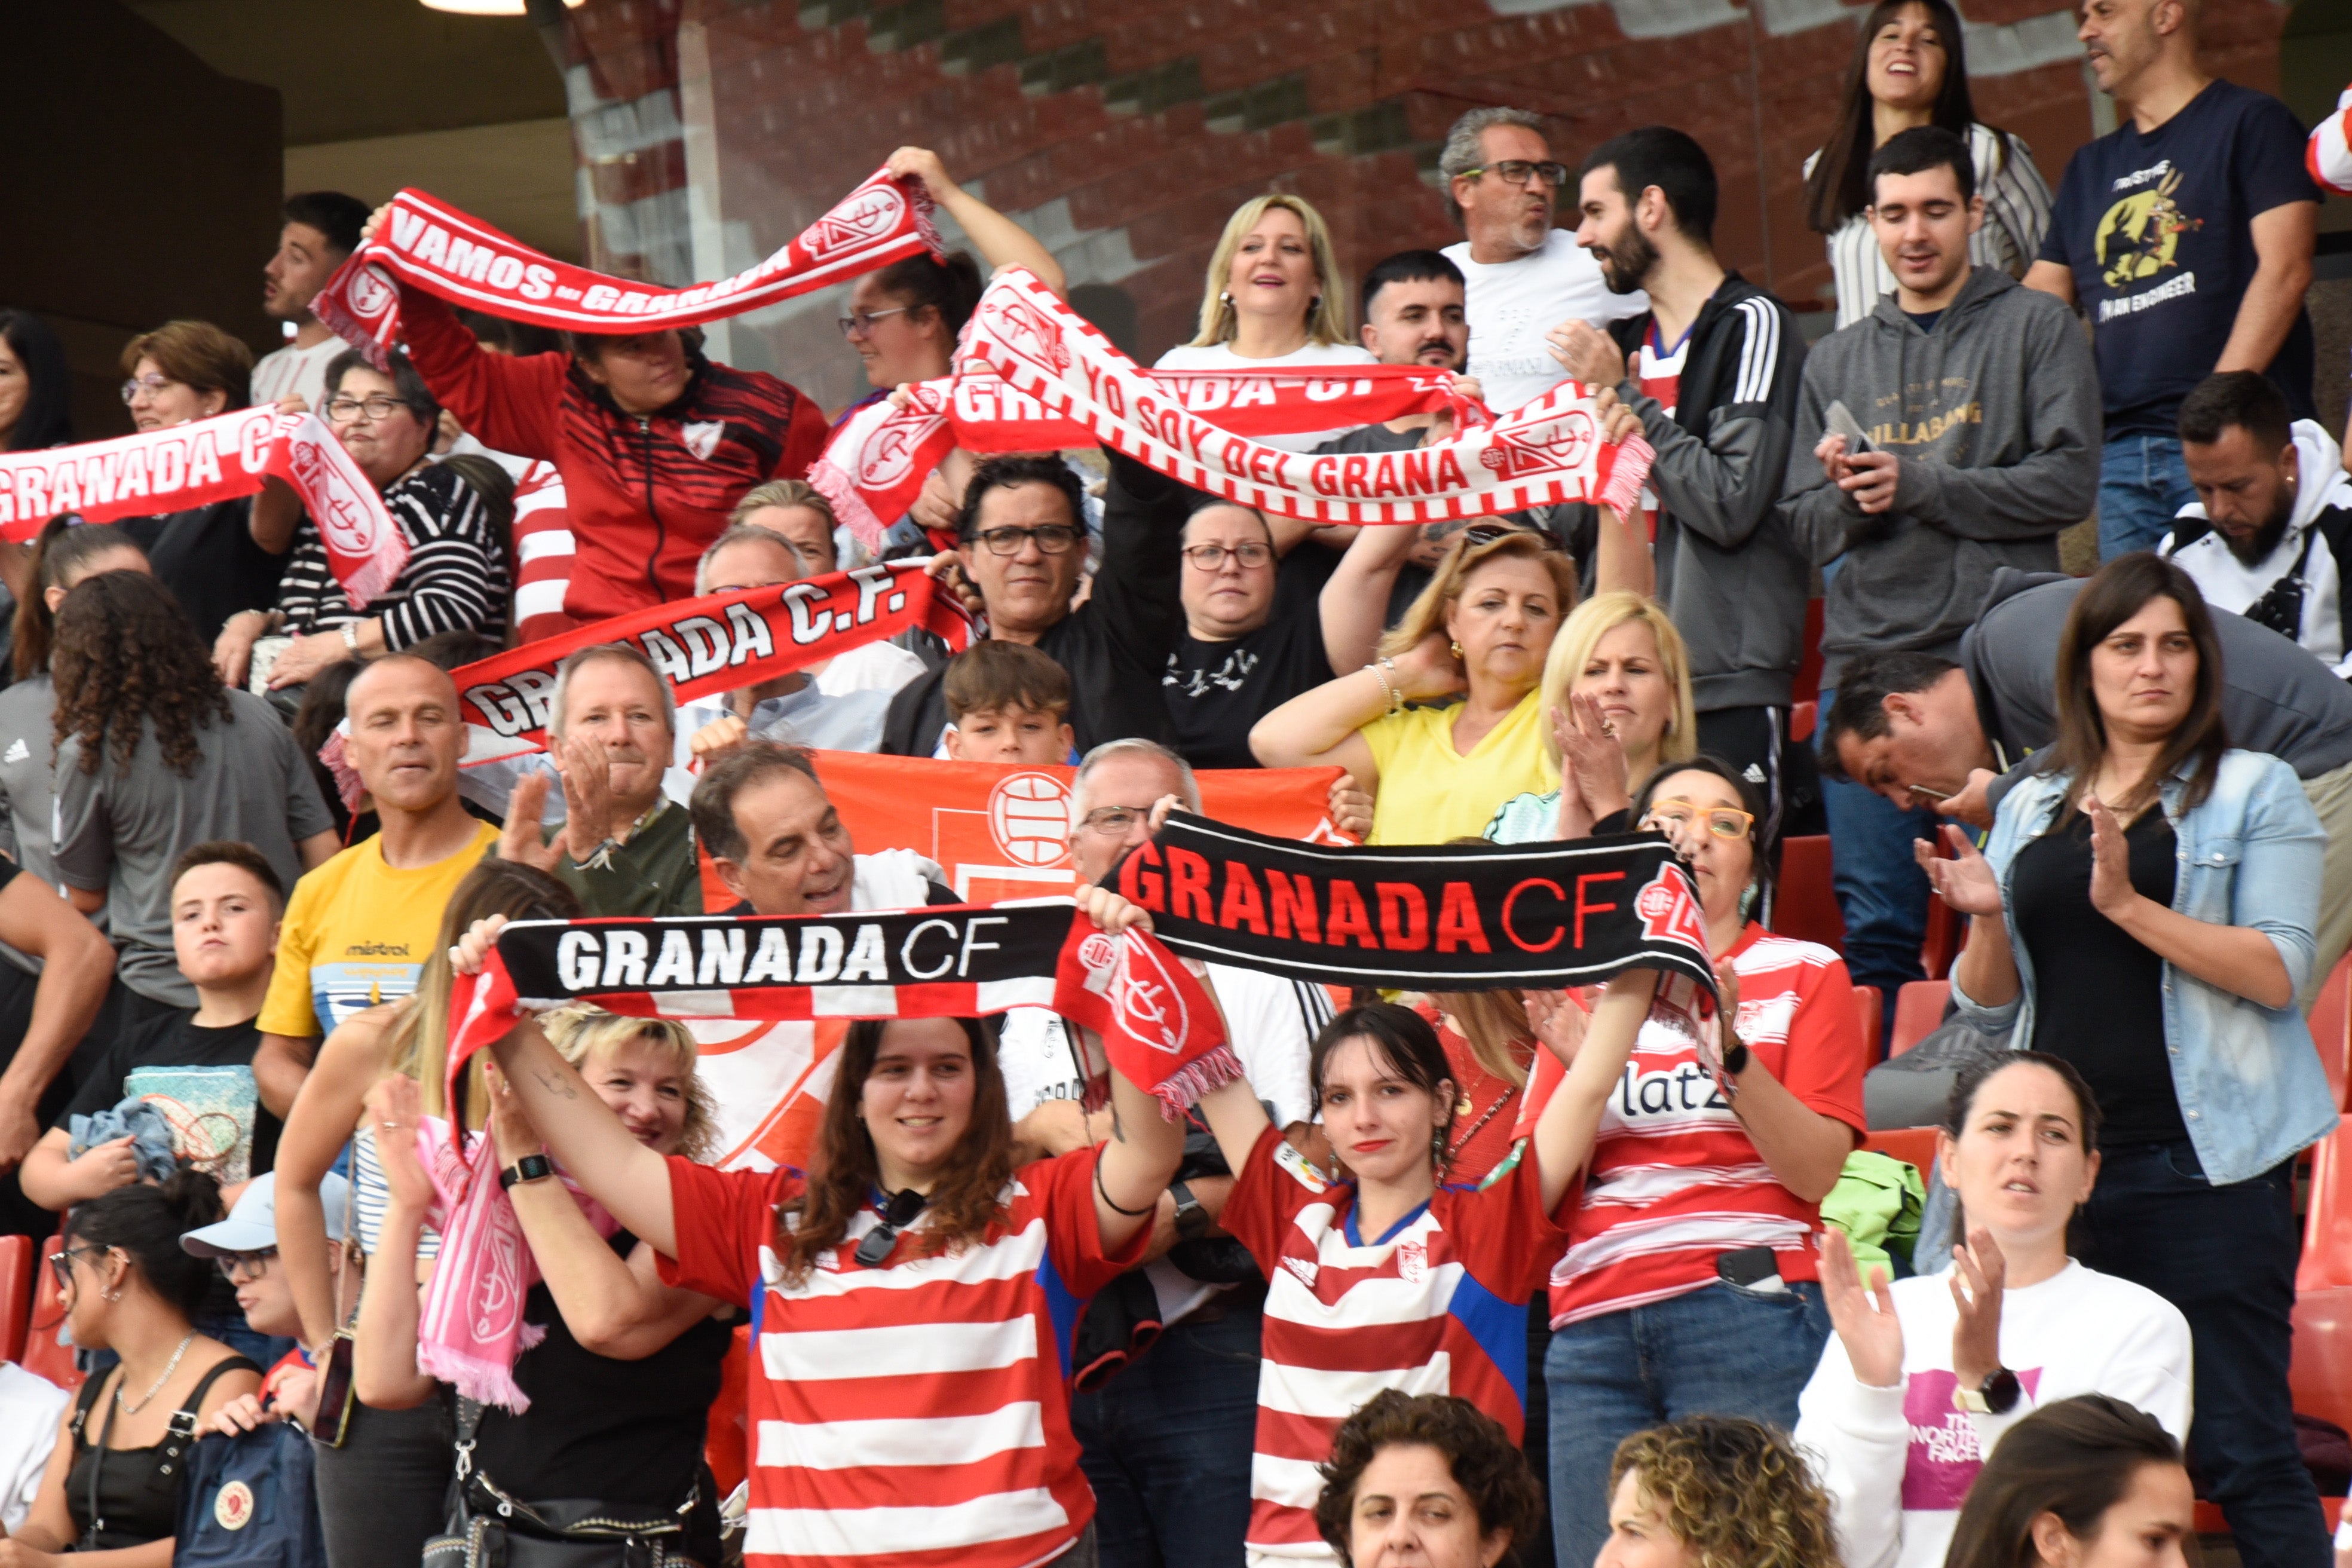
column 449, row 253
column 1158, row 1025
column 1434, row 918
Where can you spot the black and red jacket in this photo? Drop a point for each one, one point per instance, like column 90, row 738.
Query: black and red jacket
column 646, row 495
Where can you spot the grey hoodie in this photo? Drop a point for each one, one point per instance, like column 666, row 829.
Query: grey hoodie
column 1995, row 417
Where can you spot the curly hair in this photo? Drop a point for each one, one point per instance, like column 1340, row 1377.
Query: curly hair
column 1733, row 1491
column 1486, row 1465
column 127, row 657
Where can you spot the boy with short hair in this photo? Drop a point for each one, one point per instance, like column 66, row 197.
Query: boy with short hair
column 1007, row 702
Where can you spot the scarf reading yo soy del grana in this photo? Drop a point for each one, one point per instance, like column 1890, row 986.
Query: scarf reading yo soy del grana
column 193, row 464
column 446, row 252
column 1158, row 1027
column 1547, row 452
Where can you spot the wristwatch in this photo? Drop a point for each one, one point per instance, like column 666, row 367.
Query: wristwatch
column 1735, row 1060
column 1191, row 1219
column 352, row 636
column 529, row 1168
column 1996, row 1395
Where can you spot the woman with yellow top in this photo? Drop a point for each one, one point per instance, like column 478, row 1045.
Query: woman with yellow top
column 1469, row 654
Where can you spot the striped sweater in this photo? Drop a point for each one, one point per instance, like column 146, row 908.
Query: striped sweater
column 455, row 579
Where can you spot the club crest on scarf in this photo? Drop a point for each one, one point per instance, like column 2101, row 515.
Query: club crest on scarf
column 1669, row 911
column 866, row 213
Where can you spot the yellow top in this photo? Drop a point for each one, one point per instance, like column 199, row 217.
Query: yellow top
column 358, row 930
column 1431, row 792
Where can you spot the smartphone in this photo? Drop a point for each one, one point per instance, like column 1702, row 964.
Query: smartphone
column 332, row 1423
column 1752, row 1268
column 1839, row 420
column 1926, row 792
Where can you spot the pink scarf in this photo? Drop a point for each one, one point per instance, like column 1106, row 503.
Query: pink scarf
column 471, row 1329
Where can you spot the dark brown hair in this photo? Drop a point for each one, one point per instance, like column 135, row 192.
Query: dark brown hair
column 62, row 548
column 712, row 804
column 845, row 1173
column 1400, row 1035
column 994, row 674
column 2117, row 591
column 1486, row 1464
column 146, row 1221
column 1733, row 1491
column 948, row 286
column 2073, row 1459
column 1839, row 187
column 229, row 852
column 198, row 354
column 128, row 656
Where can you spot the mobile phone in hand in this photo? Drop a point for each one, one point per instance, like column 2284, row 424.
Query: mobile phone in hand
column 1839, row 420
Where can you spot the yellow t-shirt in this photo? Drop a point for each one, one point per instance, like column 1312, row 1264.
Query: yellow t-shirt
column 356, row 925
column 1431, row 792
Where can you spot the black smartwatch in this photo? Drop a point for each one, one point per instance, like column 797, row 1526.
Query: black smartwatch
column 529, row 1168
column 1735, row 1060
column 1996, row 1395
column 1192, row 1221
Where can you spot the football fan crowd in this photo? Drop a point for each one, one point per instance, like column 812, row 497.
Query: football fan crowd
column 547, row 1027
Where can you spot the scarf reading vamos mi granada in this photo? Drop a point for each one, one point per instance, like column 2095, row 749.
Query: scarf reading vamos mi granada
column 446, row 252
column 1049, row 375
column 220, row 458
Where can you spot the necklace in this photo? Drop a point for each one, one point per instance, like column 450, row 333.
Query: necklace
column 157, row 1386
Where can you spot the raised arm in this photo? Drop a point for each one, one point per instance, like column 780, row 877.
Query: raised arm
column 1594, row 1056
column 1354, row 604
column 384, row 1348
column 587, row 1140
column 1000, row 241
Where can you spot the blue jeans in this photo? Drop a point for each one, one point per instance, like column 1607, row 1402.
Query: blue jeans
column 1881, row 890
column 1721, row 1349
column 2143, row 484
column 1166, row 1444
column 2225, row 1255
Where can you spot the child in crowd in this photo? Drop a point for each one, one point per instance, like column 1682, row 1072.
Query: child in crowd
column 1009, row 703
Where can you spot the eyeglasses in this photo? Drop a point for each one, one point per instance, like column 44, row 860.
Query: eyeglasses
column 1051, row 539
column 1115, row 821
column 897, row 1216
column 859, row 322
column 1211, row 557
column 1518, row 172
column 152, row 385
column 1722, row 821
column 237, row 1263
column 61, row 1263
column 343, row 410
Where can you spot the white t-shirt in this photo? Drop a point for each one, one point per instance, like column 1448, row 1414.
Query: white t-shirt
column 1898, row 1461
column 2229, row 584
column 303, row 371
column 1512, row 304
column 30, row 1408
column 1220, row 356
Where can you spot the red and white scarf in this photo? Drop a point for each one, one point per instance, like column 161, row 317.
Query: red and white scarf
column 874, row 466
column 446, row 252
column 207, row 460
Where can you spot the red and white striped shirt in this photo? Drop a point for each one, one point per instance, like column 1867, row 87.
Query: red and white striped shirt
column 915, row 1414
column 543, row 548
column 1674, row 1182
column 1439, row 1305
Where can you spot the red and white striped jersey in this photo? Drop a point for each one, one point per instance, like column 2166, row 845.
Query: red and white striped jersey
column 1439, row 1305
column 913, row 1414
column 1674, row 1182
column 543, row 550
column 2327, row 156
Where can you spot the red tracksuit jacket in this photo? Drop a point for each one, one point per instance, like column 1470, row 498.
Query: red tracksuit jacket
column 647, row 495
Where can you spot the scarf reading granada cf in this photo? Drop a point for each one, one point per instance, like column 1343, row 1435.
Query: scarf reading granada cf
column 1434, row 917
column 445, row 251
column 1159, row 1028
column 220, row 458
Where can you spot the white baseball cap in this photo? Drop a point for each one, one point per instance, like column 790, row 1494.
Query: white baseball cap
column 252, row 1224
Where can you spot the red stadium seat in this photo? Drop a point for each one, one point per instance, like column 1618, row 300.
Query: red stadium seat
column 1918, row 1009
column 2331, row 1028
column 42, row 1355
column 1805, row 905
column 16, row 1293
column 1801, row 718
column 1869, row 1007
column 1915, row 1146
column 2321, row 1370
column 2327, row 1227
column 1946, row 932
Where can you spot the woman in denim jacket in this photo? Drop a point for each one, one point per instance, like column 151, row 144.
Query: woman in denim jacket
column 2145, row 910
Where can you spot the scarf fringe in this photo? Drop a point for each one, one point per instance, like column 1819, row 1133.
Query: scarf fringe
column 1629, row 471
column 828, row 478
column 478, row 1378
column 1203, row 1075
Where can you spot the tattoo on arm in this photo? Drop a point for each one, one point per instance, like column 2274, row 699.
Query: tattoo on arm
column 556, row 1083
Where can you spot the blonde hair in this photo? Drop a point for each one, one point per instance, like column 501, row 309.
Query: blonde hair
column 579, row 1031
column 1427, row 612
column 1582, row 632
column 1326, row 317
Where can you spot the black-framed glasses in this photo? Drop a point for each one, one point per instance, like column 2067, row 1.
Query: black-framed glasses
column 239, row 1263
column 897, row 1214
column 858, row 322
column 1519, row 171
column 61, row 1263
column 1249, row 555
column 343, row 410
column 1051, row 539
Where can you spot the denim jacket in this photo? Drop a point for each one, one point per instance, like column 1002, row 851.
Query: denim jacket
column 2250, row 1087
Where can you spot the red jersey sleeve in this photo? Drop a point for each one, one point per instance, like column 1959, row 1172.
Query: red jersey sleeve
column 509, row 402
column 723, row 1218
column 1509, row 1241
column 1823, row 1062
column 805, row 438
column 1272, row 1186
column 1065, row 1187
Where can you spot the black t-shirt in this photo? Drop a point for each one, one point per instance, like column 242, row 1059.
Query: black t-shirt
column 1216, row 690
column 1925, row 320
column 2158, row 231
column 2098, row 993
column 175, row 1040
column 207, row 556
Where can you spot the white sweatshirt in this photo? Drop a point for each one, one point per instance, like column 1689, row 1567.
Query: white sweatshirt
column 1898, row 1461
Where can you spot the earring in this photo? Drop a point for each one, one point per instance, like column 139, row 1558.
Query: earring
column 1226, row 298
column 1455, row 648
column 111, row 1295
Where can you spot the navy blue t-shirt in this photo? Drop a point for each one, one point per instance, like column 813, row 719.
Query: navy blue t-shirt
column 2157, row 232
